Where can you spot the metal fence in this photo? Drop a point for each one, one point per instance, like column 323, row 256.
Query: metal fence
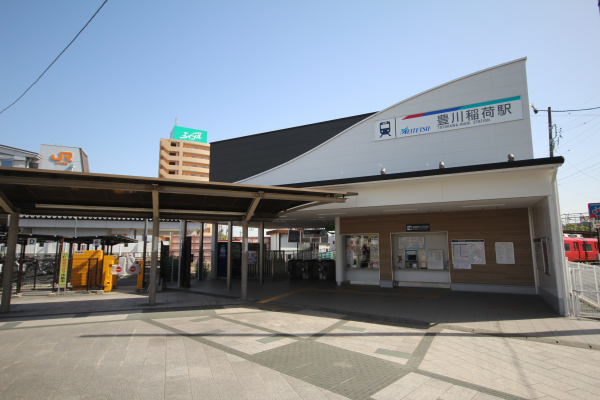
column 584, row 284
column 170, row 266
column 32, row 272
column 276, row 264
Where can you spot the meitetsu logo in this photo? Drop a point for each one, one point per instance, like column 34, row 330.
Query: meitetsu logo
column 407, row 131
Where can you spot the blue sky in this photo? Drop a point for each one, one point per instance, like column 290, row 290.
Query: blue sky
column 236, row 68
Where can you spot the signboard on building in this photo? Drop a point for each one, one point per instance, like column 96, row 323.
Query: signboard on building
column 293, row 236
column 417, row 227
column 314, row 233
column 594, row 209
column 468, row 116
column 193, row 135
column 63, row 158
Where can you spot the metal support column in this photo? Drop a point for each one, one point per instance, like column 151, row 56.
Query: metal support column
column 213, row 250
column 21, row 263
column 339, row 253
column 182, row 236
column 9, row 262
column 144, row 248
column 154, row 260
column 200, row 262
column 244, row 260
column 229, row 251
column 261, row 252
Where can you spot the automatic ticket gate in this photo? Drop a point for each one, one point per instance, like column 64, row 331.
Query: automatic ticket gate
column 295, row 268
column 326, row 270
column 310, row 269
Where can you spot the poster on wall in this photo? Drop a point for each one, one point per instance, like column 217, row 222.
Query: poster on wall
column 435, row 259
column 505, row 253
column 374, row 246
column 411, row 242
column 468, row 251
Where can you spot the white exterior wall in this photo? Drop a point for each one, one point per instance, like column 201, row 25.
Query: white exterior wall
column 490, row 185
column 355, row 152
column 545, row 215
column 275, row 241
column 285, row 245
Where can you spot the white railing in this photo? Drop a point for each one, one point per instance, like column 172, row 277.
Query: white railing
column 584, row 285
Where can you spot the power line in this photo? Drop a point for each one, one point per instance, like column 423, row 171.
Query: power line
column 580, row 170
column 583, row 195
column 583, row 109
column 36, row 81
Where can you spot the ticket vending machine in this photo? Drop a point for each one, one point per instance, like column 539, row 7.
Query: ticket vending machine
column 236, row 259
column 411, row 259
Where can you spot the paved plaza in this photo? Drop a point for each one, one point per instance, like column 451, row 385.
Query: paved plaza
column 295, row 340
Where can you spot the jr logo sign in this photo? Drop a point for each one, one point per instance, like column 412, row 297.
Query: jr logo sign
column 64, row 157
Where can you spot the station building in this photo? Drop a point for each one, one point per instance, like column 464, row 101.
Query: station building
column 449, row 194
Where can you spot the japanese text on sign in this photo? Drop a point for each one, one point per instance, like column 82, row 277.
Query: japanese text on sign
column 467, row 116
column 64, row 265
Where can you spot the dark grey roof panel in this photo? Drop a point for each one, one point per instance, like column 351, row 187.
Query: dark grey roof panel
column 235, row 159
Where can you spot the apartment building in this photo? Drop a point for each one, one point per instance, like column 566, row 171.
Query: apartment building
column 185, row 155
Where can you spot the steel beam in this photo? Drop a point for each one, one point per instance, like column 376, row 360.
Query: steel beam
column 7, row 205
column 325, row 196
column 251, row 209
column 136, row 209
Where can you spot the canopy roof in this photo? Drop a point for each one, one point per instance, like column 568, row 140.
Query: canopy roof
column 43, row 192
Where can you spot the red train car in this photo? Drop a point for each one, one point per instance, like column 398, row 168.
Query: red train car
column 590, row 249
column 579, row 249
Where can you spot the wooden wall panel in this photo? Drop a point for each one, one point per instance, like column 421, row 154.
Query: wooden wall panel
column 510, row 225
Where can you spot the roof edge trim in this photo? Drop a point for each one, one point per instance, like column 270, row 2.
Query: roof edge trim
column 505, row 165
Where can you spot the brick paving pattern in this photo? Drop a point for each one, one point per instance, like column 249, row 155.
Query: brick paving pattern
column 210, row 346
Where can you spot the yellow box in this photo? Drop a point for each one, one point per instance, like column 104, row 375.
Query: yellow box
column 84, row 263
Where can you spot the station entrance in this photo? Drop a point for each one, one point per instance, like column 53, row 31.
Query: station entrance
column 55, row 193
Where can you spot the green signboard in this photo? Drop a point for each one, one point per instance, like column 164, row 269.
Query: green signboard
column 193, row 135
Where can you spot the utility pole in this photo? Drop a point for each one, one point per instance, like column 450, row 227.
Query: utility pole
column 550, row 132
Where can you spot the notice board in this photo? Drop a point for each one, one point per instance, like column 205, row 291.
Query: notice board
column 466, row 252
column 505, row 253
column 435, row 259
column 411, row 242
